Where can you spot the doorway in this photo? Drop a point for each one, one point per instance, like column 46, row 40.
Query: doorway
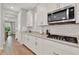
column 9, row 27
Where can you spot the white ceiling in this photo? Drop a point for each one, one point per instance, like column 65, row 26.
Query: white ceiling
column 10, row 13
column 17, row 6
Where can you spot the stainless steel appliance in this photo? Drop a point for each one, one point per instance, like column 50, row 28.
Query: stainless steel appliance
column 64, row 38
column 62, row 15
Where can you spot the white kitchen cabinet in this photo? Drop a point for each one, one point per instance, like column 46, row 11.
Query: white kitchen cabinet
column 29, row 18
column 43, row 46
column 30, row 42
column 62, row 49
column 41, row 16
column 54, row 48
column 44, row 20
column 26, row 41
column 46, row 47
column 39, row 46
column 33, row 43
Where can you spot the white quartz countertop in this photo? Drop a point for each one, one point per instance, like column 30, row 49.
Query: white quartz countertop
column 44, row 36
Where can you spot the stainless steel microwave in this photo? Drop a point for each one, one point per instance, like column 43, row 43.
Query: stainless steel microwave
column 64, row 15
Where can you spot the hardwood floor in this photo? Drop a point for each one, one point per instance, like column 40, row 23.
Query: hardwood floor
column 12, row 47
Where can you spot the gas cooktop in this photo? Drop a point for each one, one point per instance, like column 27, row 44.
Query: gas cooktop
column 64, row 38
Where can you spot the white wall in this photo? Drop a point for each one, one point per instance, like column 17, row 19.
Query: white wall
column 29, row 18
column 1, row 27
column 18, row 29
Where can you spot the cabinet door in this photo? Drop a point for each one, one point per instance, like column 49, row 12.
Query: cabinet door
column 44, row 17
column 48, row 49
column 69, row 50
column 29, row 18
column 41, row 16
column 43, row 47
column 27, row 40
column 32, row 43
column 54, row 48
column 39, row 46
column 63, row 49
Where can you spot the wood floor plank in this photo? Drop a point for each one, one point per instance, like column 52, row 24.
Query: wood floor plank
column 12, row 47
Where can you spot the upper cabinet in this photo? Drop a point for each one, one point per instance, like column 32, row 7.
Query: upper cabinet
column 29, row 18
column 41, row 16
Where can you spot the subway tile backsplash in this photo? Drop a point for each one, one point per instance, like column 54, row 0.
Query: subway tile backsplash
column 68, row 29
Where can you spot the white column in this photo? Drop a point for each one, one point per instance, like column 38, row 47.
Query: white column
column 2, row 40
column 21, row 24
column 18, row 33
